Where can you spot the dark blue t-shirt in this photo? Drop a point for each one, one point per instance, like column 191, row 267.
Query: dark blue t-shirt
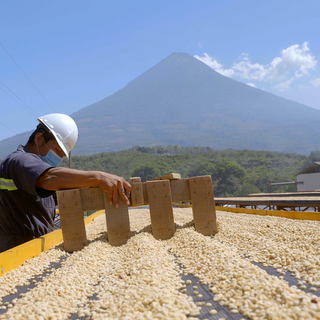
column 26, row 212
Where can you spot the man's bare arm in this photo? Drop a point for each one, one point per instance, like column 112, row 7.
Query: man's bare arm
column 64, row 178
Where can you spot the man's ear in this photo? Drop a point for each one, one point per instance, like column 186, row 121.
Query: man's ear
column 37, row 138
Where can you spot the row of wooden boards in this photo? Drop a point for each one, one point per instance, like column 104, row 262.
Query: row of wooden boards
column 158, row 194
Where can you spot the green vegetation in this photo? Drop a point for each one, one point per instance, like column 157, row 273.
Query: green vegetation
column 233, row 172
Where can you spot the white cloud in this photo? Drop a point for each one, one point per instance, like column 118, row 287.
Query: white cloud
column 316, row 82
column 284, row 85
column 215, row 65
column 292, row 63
column 292, row 59
column 251, row 84
column 247, row 70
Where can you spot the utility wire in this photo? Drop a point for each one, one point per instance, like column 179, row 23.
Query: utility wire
column 27, row 77
column 8, row 128
column 3, row 123
column 31, row 110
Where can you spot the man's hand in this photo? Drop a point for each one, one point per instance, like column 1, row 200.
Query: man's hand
column 115, row 186
column 65, row 178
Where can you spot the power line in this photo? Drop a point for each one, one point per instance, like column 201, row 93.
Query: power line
column 34, row 113
column 31, row 112
column 26, row 76
column 8, row 128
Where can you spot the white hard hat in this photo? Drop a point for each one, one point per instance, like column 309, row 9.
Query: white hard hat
column 63, row 128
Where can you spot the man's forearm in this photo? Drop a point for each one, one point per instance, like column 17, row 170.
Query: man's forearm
column 64, row 178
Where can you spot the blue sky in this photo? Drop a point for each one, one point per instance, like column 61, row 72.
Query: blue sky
column 63, row 55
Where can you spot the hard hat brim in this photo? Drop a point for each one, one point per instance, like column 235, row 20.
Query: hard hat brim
column 60, row 143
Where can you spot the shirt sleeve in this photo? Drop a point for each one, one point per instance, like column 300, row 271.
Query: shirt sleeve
column 25, row 169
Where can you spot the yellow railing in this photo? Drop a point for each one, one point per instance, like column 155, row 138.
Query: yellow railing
column 297, row 215
column 16, row 256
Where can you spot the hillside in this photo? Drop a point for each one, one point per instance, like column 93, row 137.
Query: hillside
column 234, row 173
column 182, row 101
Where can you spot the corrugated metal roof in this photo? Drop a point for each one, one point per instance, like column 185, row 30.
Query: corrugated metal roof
column 315, row 164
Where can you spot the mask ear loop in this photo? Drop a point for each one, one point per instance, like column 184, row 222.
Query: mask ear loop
column 44, row 143
column 38, row 145
column 47, row 146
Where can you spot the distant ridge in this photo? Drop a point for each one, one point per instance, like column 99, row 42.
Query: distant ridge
column 183, row 101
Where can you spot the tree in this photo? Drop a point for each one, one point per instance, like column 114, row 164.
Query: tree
column 203, row 169
column 314, row 156
column 229, row 176
column 146, row 172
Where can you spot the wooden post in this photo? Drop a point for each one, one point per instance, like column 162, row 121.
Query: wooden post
column 170, row 176
column 180, row 190
column 136, row 195
column 71, row 219
column 145, row 193
column 203, row 207
column 160, row 205
column 118, row 224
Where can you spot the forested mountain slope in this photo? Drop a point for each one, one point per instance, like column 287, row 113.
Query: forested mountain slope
column 233, row 172
column 182, row 101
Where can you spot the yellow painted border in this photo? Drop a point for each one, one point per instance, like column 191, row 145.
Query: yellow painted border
column 298, row 215
column 16, row 256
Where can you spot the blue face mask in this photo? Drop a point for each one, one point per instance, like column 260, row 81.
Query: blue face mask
column 51, row 158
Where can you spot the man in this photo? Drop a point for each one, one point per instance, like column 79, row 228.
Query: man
column 30, row 176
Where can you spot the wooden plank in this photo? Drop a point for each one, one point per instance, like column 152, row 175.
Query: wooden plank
column 71, row 220
column 203, row 206
column 160, row 204
column 297, row 194
column 118, row 224
column 180, row 190
column 145, row 193
column 170, row 176
column 136, row 194
column 92, row 199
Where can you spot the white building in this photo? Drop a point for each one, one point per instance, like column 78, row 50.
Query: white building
column 309, row 178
